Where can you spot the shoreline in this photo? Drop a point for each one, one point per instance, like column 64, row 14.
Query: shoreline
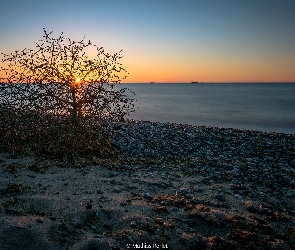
column 173, row 185
column 224, row 125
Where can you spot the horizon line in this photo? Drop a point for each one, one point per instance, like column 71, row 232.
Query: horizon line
column 194, row 82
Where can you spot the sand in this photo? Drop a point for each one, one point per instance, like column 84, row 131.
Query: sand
column 143, row 207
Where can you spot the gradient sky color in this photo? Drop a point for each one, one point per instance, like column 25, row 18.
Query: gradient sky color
column 168, row 40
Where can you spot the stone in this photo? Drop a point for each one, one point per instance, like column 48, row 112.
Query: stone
column 252, row 209
column 182, row 191
column 147, row 195
column 219, row 215
column 135, row 224
column 238, row 196
column 199, row 189
column 220, row 197
column 292, row 183
column 113, row 174
column 253, row 195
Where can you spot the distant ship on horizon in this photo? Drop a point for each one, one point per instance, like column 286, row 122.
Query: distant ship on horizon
column 194, row 82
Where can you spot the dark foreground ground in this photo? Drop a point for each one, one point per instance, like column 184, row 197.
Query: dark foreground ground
column 172, row 187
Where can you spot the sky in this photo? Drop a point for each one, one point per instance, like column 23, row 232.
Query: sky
column 168, row 40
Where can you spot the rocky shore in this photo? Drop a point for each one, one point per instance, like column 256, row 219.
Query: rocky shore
column 172, row 186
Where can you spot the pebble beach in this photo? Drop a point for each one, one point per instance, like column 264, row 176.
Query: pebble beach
column 172, row 186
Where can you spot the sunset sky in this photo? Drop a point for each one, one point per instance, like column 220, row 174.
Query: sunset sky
column 168, row 40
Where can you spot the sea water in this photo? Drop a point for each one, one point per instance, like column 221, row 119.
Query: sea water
column 262, row 106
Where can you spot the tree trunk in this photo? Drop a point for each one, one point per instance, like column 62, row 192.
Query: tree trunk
column 74, row 110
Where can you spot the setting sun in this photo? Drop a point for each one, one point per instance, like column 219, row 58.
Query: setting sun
column 78, row 80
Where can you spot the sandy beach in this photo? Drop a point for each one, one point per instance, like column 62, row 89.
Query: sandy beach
column 171, row 187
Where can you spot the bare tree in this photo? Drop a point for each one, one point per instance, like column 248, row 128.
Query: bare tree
column 64, row 80
column 60, row 78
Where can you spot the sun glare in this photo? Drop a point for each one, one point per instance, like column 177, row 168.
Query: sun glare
column 78, row 80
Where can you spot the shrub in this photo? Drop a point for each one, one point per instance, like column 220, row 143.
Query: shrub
column 58, row 99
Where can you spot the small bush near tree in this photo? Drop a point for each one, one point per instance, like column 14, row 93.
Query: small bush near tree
column 58, row 99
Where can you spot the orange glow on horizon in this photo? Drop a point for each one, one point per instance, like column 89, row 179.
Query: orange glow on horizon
column 209, row 71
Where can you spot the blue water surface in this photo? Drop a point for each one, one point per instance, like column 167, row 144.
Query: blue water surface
column 263, row 107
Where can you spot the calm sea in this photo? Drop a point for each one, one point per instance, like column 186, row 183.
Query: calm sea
column 262, row 107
